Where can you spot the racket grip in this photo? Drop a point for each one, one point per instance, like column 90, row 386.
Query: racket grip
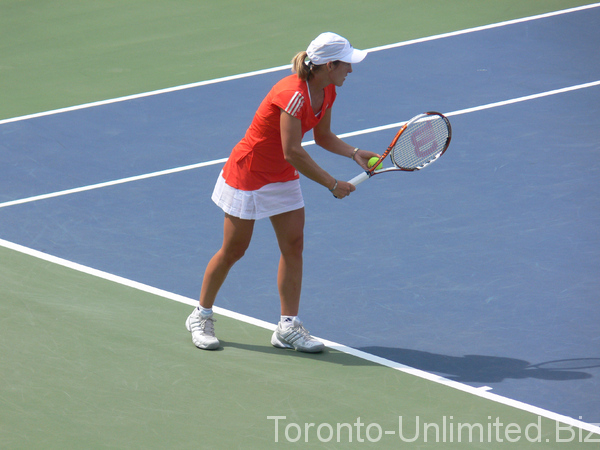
column 359, row 178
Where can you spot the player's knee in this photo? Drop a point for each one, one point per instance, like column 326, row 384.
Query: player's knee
column 293, row 247
column 233, row 254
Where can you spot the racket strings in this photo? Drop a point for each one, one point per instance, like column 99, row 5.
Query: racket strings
column 421, row 143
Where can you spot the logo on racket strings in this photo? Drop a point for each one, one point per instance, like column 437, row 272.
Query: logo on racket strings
column 423, row 140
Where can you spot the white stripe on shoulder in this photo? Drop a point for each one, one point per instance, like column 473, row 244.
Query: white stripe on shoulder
column 295, row 104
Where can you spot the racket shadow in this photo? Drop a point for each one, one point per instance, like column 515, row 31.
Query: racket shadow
column 480, row 368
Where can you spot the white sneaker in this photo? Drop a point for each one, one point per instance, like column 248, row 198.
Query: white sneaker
column 296, row 337
column 203, row 330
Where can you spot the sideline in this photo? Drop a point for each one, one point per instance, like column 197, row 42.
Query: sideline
column 307, row 143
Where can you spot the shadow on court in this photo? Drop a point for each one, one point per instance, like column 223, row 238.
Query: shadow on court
column 487, row 369
column 329, row 355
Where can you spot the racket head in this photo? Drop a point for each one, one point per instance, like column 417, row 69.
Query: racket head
column 420, row 141
column 568, row 364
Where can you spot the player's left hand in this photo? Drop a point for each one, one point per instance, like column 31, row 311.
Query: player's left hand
column 362, row 158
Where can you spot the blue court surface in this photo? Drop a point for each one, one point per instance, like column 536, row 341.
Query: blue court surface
column 483, row 268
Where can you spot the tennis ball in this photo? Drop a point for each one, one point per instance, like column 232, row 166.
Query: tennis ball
column 373, row 161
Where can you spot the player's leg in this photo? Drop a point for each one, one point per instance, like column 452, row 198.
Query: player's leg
column 289, row 229
column 237, row 234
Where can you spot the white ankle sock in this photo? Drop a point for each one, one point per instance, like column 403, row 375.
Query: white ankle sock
column 205, row 312
column 287, row 321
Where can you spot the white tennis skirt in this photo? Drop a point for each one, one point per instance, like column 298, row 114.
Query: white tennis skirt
column 269, row 200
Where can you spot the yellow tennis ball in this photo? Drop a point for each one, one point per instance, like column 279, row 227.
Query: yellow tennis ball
column 373, row 161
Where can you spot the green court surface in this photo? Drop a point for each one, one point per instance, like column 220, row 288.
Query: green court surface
column 89, row 363
column 62, row 53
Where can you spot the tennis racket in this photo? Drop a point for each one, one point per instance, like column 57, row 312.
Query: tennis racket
column 418, row 143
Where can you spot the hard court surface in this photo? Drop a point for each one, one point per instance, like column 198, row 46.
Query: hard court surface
column 462, row 294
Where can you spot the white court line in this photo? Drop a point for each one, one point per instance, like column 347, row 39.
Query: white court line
column 476, row 108
column 307, row 143
column 111, row 183
column 288, row 66
column 483, row 393
column 144, row 94
column 486, row 27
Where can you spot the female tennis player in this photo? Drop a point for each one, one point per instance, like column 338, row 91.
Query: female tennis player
column 261, row 179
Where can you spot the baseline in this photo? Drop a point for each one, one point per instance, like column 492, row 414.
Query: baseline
column 287, row 66
column 479, row 392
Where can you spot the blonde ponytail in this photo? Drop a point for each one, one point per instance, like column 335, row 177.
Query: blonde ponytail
column 300, row 67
